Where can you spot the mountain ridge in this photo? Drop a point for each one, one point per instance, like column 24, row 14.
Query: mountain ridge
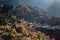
column 31, row 14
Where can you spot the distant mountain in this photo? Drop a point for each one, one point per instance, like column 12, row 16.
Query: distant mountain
column 54, row 9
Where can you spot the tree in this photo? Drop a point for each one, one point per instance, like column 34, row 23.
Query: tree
column 5, row 21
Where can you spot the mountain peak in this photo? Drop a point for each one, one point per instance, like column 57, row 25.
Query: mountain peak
column 24, row 7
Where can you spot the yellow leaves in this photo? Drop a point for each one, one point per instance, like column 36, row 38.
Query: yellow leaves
column 13, row 32
column 7, row 27
column 2, row 26
column 24, row 7
column 39, row 35
column 26, row 33
column 14, row 17
column 13, row 35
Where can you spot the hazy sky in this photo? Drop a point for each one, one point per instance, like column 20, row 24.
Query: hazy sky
column 44, row 4
column 38, row 3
